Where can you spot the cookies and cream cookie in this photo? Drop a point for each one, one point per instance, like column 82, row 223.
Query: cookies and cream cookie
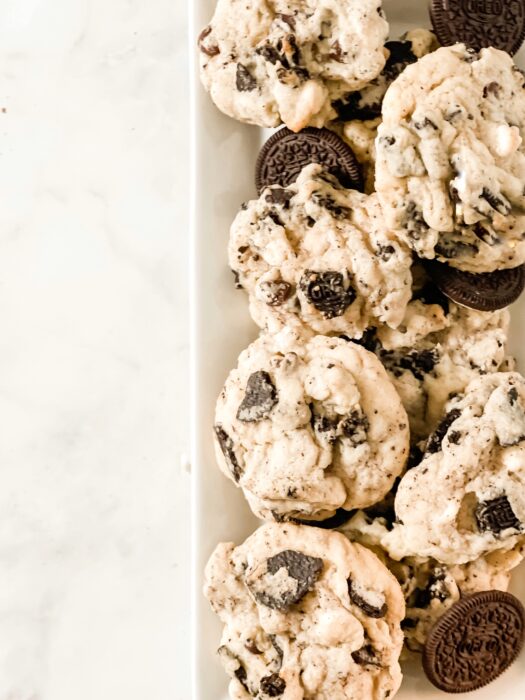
column 308, row 425
column 436, row 351
column 466, row 498
column 268, row 62
column 429, row 587
column 451, row 159
column 319, row 254
column 306, row 613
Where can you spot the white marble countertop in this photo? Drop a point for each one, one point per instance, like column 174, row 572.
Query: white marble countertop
column 94, row 521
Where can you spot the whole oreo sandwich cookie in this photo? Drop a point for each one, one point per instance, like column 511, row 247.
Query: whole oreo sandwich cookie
column 488, row 291
column 477, row 639
column 286, row 153
column 480, row 23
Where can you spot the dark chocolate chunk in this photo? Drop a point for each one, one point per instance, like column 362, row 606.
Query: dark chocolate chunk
column 355, row 426
column 484, row 234
column 366, row 656
column 285, row 154
column 227, row 448
column 368, row 340
column 326, row 291
column 326, row 427
column 273, row 686
column 480, row 23
column 430, row 294
column 244, row 80
column 340, row 518
column 436, row 589
column 301, row 567
column 496, row 515
column 328, row 203
column 450, row 247
column 259, row 399
column 425, row 123
column 385, row 252
column 487, row 291
column 492, row 88
column 252, row 647
column 240, row 671
column 366, row 104
column 276, row 292
column 279, row 651
column 419, row 363
column 366, row 607
column 287, row 19
column 414, row 457
column 269, row 53
column 474, row 641
column 279, row 195
column 213, row 49
column 409, row 623
column 437, row 437
column 415, row 225
column 242, row 677
column 499, row 204
column 237, row 280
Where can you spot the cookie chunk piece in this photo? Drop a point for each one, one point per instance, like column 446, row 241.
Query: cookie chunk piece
column 321, row 255
column 466, row 498
column 436, row 351
column 309, row 425
column 451, row 158
column 306, row 613
column 268, row 62
column 431, row 588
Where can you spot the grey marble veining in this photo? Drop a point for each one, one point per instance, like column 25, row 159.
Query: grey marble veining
column 93, row 350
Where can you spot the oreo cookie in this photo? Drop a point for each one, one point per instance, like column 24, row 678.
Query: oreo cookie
column 488, row 291
column 286, row 153
column 477, row 639
column 480, row 23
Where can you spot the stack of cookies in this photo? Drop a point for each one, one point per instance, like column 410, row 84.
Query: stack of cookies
column 377, row 425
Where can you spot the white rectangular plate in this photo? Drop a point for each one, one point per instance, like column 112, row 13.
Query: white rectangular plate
column 224, row 153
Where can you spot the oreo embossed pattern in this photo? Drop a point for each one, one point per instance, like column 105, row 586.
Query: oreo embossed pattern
column 475, row 641
column 480, row 23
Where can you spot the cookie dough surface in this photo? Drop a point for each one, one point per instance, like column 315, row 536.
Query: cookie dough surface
column 320, row 255
column 429, row 587
column 451, row 158
column 268, row 62
column 309, row 425
column 436, row 351
column 466, row 498
column 306, row 614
